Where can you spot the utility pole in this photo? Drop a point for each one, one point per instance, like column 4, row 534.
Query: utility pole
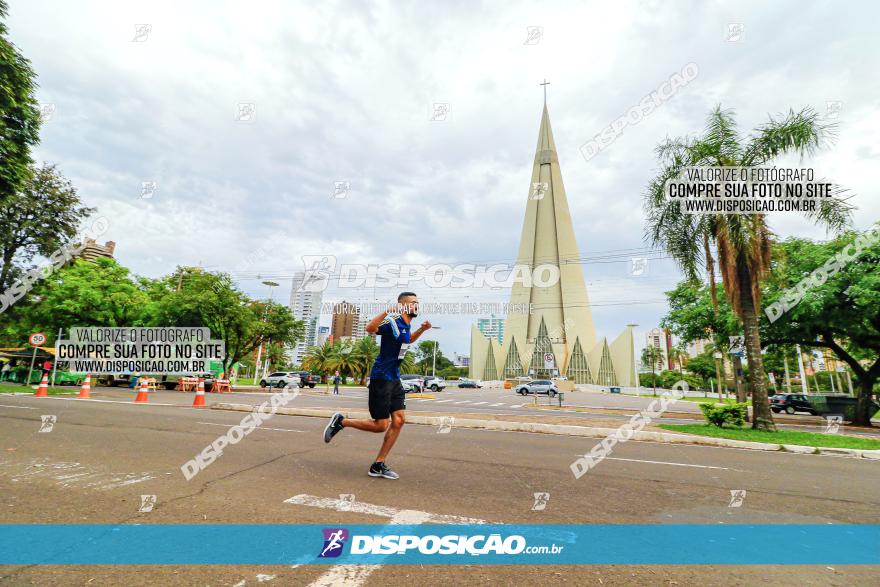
column 787, row 377
column 801, row 368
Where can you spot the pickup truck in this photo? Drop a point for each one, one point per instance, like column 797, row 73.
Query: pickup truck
column 306, row 378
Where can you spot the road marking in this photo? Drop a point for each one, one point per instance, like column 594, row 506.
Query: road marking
column 517, row 405
column 668, row 463
column 19, row 407
column 109, row 401
column 328, row 503
column 356, row 575
column 501, row 404
column 467, row 401
column 257, row 428
column 443, row 401
column 480, row 403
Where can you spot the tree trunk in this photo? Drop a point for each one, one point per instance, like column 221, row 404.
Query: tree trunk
column 864, row 405
column 762, row 417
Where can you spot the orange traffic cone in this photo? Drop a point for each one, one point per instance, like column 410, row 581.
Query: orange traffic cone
column 199, row 402
column 141, row 397
column 86, row 387
column 43, row 388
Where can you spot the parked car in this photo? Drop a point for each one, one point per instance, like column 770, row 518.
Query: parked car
column 538, row 386
column 434, row 383
column 409, row 386
column 470, row 383
column 416, row 381
column 791, row 403
column 280, row 379
column 310, row 379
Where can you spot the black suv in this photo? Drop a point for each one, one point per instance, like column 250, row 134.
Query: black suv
column 791, row 403
column 306, row 378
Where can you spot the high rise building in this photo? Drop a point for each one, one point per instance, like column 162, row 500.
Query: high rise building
column 92, row 250
column 492, row 328
column 306, row 306
column 344, row 324
column 557, row 335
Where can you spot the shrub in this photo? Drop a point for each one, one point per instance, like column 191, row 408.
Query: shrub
column 721, row 414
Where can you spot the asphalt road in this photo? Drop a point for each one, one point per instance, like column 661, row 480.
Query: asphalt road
column 101, row 456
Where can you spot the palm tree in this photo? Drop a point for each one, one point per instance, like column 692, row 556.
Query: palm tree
column 651, row 356
column 363, row 353
column 742, row 242
column 677, row 354
column 319, row 359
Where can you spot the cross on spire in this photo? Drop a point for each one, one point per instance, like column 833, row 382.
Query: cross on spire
column 545, row 84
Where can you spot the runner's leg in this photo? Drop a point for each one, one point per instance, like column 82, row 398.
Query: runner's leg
column 397, row 420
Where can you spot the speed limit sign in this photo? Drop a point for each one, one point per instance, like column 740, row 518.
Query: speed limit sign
column 37, row 338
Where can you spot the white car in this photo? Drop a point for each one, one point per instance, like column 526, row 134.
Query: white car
column 434, row 383
column 280, row 379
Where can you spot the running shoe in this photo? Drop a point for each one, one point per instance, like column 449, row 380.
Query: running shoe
column 382, row 470
column 333, row 427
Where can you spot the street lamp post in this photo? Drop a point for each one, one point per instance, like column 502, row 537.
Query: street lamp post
column 258, row 367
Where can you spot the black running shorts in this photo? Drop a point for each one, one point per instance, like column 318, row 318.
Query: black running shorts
column 386, row 397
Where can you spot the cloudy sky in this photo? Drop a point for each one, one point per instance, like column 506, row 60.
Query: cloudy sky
column 344, row 92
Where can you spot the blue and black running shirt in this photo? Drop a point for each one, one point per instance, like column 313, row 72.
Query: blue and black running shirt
column 392, row 348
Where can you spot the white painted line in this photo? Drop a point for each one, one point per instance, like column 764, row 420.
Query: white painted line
column 667, row 463
column 467, row 401
column 109, row 401
column 517, row 405
column 257, row 428
column 480, row 403
column 443, row 401
column 356, row 575
column 329, row 503
column 499, row 404
column 19, row 407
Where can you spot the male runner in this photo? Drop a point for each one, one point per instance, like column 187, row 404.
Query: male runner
column 386, row 395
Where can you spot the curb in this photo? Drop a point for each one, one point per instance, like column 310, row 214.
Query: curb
column 569, row 430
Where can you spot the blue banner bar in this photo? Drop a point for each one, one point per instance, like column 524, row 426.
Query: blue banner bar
column 633, row 544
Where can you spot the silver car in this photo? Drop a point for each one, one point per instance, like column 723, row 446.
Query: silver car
column 280, row 379
column 538, row 386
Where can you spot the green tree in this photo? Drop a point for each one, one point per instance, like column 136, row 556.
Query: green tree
column 363, row 354
column 742, row 242
column 842, row 313
column 652, row 357
column 99, row 293
column 37, row 220
column 193, row 297
column 19, row 116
